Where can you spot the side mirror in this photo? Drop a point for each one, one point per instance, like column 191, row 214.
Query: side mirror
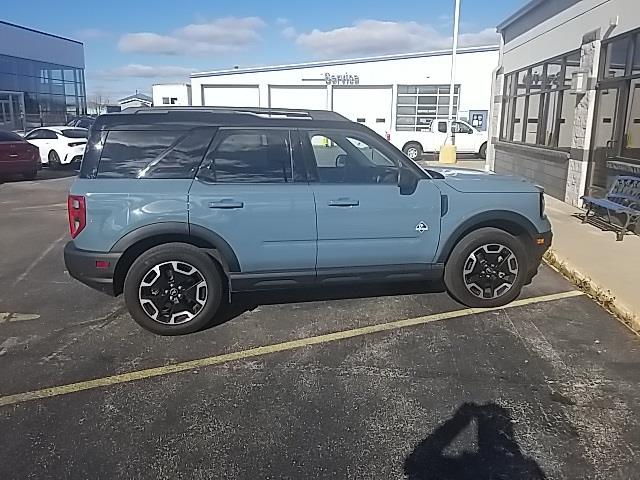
column 341, row 161
column 407, row 181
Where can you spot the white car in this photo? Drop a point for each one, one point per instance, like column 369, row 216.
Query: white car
column 433, row 135
column 59, row 145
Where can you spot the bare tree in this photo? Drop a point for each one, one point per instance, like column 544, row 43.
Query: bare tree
column 97, row 103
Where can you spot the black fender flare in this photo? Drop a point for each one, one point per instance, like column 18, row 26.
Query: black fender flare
column 492, row 218
column 201, row 236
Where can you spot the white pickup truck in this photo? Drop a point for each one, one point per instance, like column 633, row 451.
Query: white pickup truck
column 432, row 137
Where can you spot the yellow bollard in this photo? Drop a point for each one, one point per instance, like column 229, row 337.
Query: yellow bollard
column 448, row 154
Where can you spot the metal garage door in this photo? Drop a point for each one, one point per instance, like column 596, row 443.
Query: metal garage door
column 370, row 106
column 231, row 96
column 313, row 98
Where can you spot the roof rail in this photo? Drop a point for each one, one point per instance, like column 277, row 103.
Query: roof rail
column 260, row 111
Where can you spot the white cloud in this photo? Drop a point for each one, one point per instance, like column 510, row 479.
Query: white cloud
column 134, row 70
column 375, row 37
column 91, row 34
column 221, row 35
column 289, row 32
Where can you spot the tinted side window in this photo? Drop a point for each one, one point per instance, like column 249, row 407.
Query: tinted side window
column 250, row 156
column 48, row 135
column 459, row 127
column 341, row 159
column 153, row 154
column 442, row 127
column 183, row 159
column 75, row 133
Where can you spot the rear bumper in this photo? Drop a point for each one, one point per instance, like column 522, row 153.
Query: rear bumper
column 20, row 166
column 81, row 265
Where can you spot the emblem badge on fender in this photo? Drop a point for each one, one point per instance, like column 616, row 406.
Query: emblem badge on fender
column 422, row 227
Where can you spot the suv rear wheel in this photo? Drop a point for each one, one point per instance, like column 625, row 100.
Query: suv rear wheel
column 173, row 289
column 487, row 268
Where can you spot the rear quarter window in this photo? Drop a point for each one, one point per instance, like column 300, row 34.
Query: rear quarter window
column 153, row 154
column 75, row 133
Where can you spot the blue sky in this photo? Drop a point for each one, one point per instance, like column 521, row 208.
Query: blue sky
column 131, row 45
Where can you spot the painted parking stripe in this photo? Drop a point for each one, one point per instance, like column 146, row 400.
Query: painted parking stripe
column 265, row 350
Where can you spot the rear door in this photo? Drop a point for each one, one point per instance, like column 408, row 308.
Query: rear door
column 363, row 218
column 250, row 192
column 137, row 178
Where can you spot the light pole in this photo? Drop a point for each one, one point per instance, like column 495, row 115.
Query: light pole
column 448, row 150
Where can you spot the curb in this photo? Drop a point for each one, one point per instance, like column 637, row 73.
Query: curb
column 600, row 294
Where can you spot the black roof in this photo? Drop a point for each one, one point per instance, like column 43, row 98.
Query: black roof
column 182, row 118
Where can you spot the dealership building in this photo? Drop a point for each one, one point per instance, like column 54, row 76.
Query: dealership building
column 566, row 100
column 387, row 93
column 41, row 78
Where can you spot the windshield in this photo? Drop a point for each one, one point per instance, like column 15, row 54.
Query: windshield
column 76, row 133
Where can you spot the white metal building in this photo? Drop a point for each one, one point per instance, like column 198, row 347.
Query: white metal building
column 136, row 100
column 176, row 94
column 388, row 93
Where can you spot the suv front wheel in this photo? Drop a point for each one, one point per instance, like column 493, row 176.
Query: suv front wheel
column 173, row 289
column 487, row 268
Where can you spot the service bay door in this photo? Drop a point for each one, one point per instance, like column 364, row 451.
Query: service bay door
column 368, row 105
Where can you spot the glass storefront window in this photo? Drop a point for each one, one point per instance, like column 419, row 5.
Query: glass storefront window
column 533, row 115
column 552, row 78
column 631, row 141
column 518, row 120
column 616, row 58
column 572, row 65
column 51, row 93
column 536, row 78
column 522, row 80
column 567, row 115
column 636, row 57
column 548, row 130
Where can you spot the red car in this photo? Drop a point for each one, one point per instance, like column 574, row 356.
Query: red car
column 17, row 156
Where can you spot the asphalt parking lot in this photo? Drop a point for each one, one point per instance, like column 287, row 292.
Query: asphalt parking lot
column 379, row 382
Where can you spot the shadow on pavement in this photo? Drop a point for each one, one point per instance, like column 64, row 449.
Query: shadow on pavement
column 247, row 301
column 498, row 454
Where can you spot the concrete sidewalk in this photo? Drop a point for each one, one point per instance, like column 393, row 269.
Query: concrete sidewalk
column 595, row 261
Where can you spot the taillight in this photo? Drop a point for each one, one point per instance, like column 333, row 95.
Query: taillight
column 77, row 214
column 77, row 144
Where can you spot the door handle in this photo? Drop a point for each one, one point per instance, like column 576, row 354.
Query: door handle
column 227, row 203
column 343, row 202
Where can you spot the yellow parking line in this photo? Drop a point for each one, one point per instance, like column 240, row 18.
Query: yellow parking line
column 264, row 350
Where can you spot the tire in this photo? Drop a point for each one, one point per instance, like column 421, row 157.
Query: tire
column 152, row 268
column 483, row 151
column 486, row 245
column 30, row 175
column 413, row 150
column 54, row 160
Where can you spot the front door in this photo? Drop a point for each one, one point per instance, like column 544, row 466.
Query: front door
column 363, row 219
column 247, row 192
column 11, row 111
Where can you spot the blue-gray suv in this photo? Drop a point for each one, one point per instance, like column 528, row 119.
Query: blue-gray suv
column 179, row 208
